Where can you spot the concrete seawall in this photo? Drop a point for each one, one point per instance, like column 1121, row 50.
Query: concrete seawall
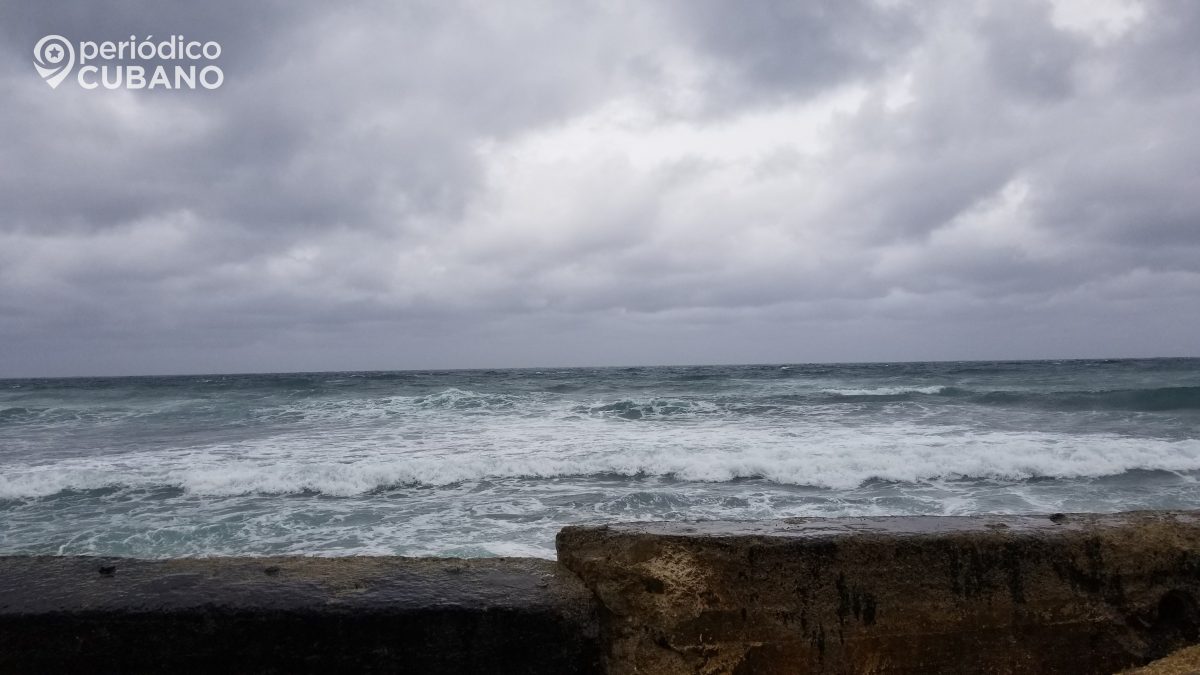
column 983, row 594
column 1038, row 594
column 291, row 615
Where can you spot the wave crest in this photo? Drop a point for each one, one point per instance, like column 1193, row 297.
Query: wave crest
column 459, row 399
column 658, row 407
column 885, row 391
column 832, row 462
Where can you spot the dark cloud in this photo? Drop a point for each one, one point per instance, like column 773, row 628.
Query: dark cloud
column 777, row 50
column 418, row 184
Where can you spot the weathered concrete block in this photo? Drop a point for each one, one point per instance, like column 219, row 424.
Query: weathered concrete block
column 288, row 615
column 987, row 594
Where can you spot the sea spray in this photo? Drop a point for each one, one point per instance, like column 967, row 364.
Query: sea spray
column 491, row 462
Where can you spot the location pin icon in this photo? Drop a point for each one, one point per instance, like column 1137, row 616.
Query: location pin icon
column 53, row 56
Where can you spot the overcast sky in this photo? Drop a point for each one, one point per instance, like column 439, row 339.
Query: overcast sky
column 487, row 184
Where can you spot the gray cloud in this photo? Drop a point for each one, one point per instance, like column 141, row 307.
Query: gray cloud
column 777, row 50
column 464, row 184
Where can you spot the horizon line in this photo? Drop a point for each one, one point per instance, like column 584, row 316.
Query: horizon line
column 593, row 367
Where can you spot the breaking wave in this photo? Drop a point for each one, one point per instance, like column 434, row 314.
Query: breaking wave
column 835, row 463
column 483, row 462
column 885, row 391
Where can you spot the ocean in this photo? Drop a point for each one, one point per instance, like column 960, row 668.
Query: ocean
column 494, row 462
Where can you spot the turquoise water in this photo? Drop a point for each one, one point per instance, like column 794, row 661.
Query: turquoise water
column 493, row 462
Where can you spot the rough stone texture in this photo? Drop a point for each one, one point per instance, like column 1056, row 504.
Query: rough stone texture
column 1037, row 594
column 289, row 615
column 1182, row 662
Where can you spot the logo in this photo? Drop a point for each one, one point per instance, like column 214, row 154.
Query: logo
column 53, row 56
column 173, row 63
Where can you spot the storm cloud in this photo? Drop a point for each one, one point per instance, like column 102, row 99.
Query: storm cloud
column 441, row 184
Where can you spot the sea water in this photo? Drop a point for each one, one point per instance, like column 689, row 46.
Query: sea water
column 494, row 462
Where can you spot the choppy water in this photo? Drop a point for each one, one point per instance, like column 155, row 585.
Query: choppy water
column 476, row 463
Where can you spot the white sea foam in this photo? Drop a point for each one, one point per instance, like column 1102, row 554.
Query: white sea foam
column 494, row 463
column 886, row 391
column 828, row 457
